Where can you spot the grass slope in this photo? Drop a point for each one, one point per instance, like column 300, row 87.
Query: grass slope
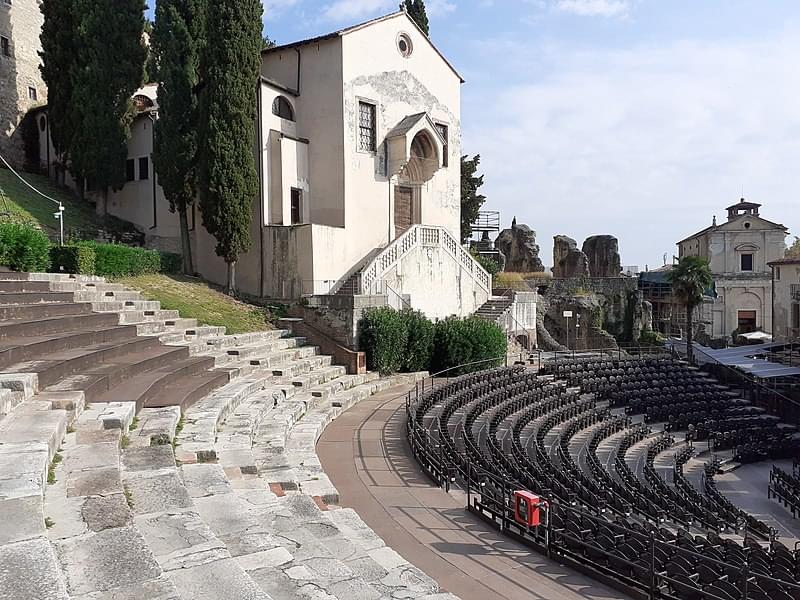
column 195, row 299
column 24, row 204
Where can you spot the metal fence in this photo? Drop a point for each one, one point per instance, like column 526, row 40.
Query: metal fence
column 490, row 497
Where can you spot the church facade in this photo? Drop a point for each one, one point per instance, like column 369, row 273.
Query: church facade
column 358, row 155
column 739, row 252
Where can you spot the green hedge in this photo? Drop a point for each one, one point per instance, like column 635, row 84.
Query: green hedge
column 78, row 258
column 463, row 341
column 24, row 247
column 112, row 260
column 383, row 337
column 407, row 341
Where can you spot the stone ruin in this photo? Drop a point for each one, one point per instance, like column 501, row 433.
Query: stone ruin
column 568, row 261
column 519, row 248
column 606, row 306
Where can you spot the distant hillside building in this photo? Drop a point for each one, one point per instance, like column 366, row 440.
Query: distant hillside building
column 358, row 154
column 739, row 252
column 21, row 85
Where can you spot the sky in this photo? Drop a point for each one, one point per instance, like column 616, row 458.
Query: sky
column 637, row 118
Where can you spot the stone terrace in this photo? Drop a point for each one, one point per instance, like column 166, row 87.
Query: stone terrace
column 144, row 456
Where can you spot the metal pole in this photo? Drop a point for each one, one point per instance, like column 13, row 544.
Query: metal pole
column 653, row 582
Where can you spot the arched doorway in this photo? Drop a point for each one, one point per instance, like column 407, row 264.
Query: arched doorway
column 422, row 164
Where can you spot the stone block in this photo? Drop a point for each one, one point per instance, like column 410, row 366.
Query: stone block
column 18, row 562
column 181, row 540
column 23, row 518
column 105, row 512
column 205, row 480
column 216, row 580
column 27, row 383
column 148, row 458
column 106, row 560
column 93, row 482
column 156, row 491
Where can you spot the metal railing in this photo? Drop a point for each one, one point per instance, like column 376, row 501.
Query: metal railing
column 490, row 497
column 423, row 236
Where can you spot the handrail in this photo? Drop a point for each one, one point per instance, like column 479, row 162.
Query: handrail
column 422, row 235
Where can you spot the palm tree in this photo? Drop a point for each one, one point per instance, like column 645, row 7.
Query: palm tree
column 690, row 278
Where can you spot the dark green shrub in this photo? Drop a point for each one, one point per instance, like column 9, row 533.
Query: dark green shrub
column 463, row 341
column 419, row 341
column 23, row 247
column 383, row 337
column 171, row 263
column 74, row 258
column 487, row 262
column 116, row 260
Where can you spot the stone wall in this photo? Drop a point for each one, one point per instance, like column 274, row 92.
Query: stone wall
column 338, row 316
column 20, row 22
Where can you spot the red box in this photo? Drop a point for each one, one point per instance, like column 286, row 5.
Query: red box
column 527, row 508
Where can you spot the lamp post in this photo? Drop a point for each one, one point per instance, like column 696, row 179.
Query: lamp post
column 567, row 315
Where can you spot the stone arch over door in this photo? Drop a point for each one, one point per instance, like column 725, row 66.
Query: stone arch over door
column 748, row 312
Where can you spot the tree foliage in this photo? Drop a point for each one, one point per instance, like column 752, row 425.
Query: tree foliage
column 416, row 10
column 110, row 67
column 59, row 40
column 228, row 176
column 690, row 278
column 177, row 46
column 793, row 251
column 471, row 200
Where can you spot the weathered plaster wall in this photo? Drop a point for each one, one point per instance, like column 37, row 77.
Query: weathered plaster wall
column 784, row 301
column 435, row 283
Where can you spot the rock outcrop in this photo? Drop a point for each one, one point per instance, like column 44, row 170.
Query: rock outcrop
column 519, row 247
column 602, row 254
column 568, row 261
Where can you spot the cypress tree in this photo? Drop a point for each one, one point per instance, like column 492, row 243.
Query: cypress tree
column 416, row 10
column 59, row 47
column 228, row 176
column 110, row 57
column 471, row 200
column 176, row 48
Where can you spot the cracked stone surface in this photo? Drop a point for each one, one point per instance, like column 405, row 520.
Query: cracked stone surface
column 148, row 458
column 216, row 580
column 181, row 540
column 109, row 559
column 156, row 491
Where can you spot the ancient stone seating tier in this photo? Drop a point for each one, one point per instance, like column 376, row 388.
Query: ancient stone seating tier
column 514, row 429
column 92, row 417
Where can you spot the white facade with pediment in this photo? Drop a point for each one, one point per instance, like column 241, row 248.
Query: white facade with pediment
column 738, row 251
column 358, row 151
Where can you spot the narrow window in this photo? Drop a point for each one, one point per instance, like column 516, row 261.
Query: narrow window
column 283, row 108
column 130, row 165
column 5, row 46
column 366, row 127
column 32, row 94
column 795, row 316
column 297, row 206
column 747, row 262
column 443, row 131
column 777, row 273
column 144, row 168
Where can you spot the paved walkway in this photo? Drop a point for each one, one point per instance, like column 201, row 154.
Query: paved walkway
column 366, row 455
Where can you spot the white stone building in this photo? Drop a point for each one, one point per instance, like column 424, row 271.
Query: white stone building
column 739, row 252
column 358, row 153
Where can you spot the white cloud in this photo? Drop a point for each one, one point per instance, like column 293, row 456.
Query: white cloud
column 273, row 8
column 439, row 8
column 346, row 10
column 645, row 143
column 594, row 8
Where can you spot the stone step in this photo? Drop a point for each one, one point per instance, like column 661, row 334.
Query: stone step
column 20, row 349
column 23, row 475
column 244, row 339
column 31, row 571
column 191, row 336
column 116, row 306
column 116, row 361
column 90, row 295
column 34, row 312
column 54, row 324
column 25, row 298
column 142, row 316
column 155, row 426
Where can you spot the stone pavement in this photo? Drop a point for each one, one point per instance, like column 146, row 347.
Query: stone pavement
column 365, row 454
